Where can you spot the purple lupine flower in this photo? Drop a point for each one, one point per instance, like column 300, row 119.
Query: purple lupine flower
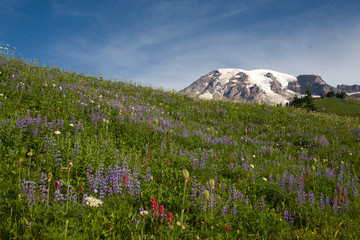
column 137, row 191
column 261, row 203
column 323, row 141
column 115, row 179
column 355, row 191
column 328, row 202
column 271, row 179
column 286, row 215
column 58, row 195
column 83, row 200
column 234, row 211
column 291, row 218
column 35, row 132
column 225, row 210
column 335, row 206
column 58, row 159
column 311, row 197
column 28, row 190
column 76, row 150
column 136, row 221
column 282, row 183
column 345, row 205
column 71, row 195
column 148, row 174
column 321, row 202
column 78, row 127
column 193, row 192
column 43, row 190
column 72, row 118
column 204, row 160
column 100, row 181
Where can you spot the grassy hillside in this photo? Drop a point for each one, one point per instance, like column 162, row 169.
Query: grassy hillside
column 85, row 158
column 343, row 107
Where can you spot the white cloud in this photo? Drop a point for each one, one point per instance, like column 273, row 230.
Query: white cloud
column 173, row 54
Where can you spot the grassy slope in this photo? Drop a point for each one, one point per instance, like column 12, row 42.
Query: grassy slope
column 158, row 133
column 347, row 107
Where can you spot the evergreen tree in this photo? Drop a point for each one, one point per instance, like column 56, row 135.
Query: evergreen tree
column 296, row 102
column 309, row 101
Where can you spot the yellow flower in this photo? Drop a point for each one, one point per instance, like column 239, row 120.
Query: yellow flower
column 182, row 227
column 178, row 223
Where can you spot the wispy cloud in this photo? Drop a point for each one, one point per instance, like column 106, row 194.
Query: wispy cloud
column 174, row 45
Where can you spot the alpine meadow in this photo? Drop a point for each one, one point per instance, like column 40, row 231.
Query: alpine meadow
column 87, row 158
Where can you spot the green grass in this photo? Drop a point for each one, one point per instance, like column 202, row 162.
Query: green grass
column 278, row 173
column 343, row 107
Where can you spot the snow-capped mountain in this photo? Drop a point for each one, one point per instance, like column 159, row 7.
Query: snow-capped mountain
column 260, row 85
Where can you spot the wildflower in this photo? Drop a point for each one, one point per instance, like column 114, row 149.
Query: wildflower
column 185, row 173
column 57, row 132
column 71, row 125
column 206, row 194
column 212, row 183
column 252, row 166
column 93, row 202
column 30, row 153
column 170, row 218
column 261, row 204
column 183, row 227
column 225, row 210
column 69, row 166
column 265, row 179
column 144, row 213
column 178, row 223
column 227, row 228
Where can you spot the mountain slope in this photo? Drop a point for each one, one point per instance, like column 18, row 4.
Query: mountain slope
column 260, row 85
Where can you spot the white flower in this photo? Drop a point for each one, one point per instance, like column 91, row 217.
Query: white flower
column 265, row 179
column 57, row 132
column 93, row 202
column 1, row 94
column 71, row 125
column 252, row 166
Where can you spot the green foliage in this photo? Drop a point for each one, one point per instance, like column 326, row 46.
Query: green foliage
column 265, row 170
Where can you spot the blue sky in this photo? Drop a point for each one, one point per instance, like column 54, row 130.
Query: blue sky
column 170, row 44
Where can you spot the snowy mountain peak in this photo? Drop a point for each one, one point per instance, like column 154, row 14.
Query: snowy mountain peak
column 260, row 85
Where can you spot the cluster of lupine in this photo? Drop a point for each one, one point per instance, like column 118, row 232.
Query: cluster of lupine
column 117, row 180
column 32, row 192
